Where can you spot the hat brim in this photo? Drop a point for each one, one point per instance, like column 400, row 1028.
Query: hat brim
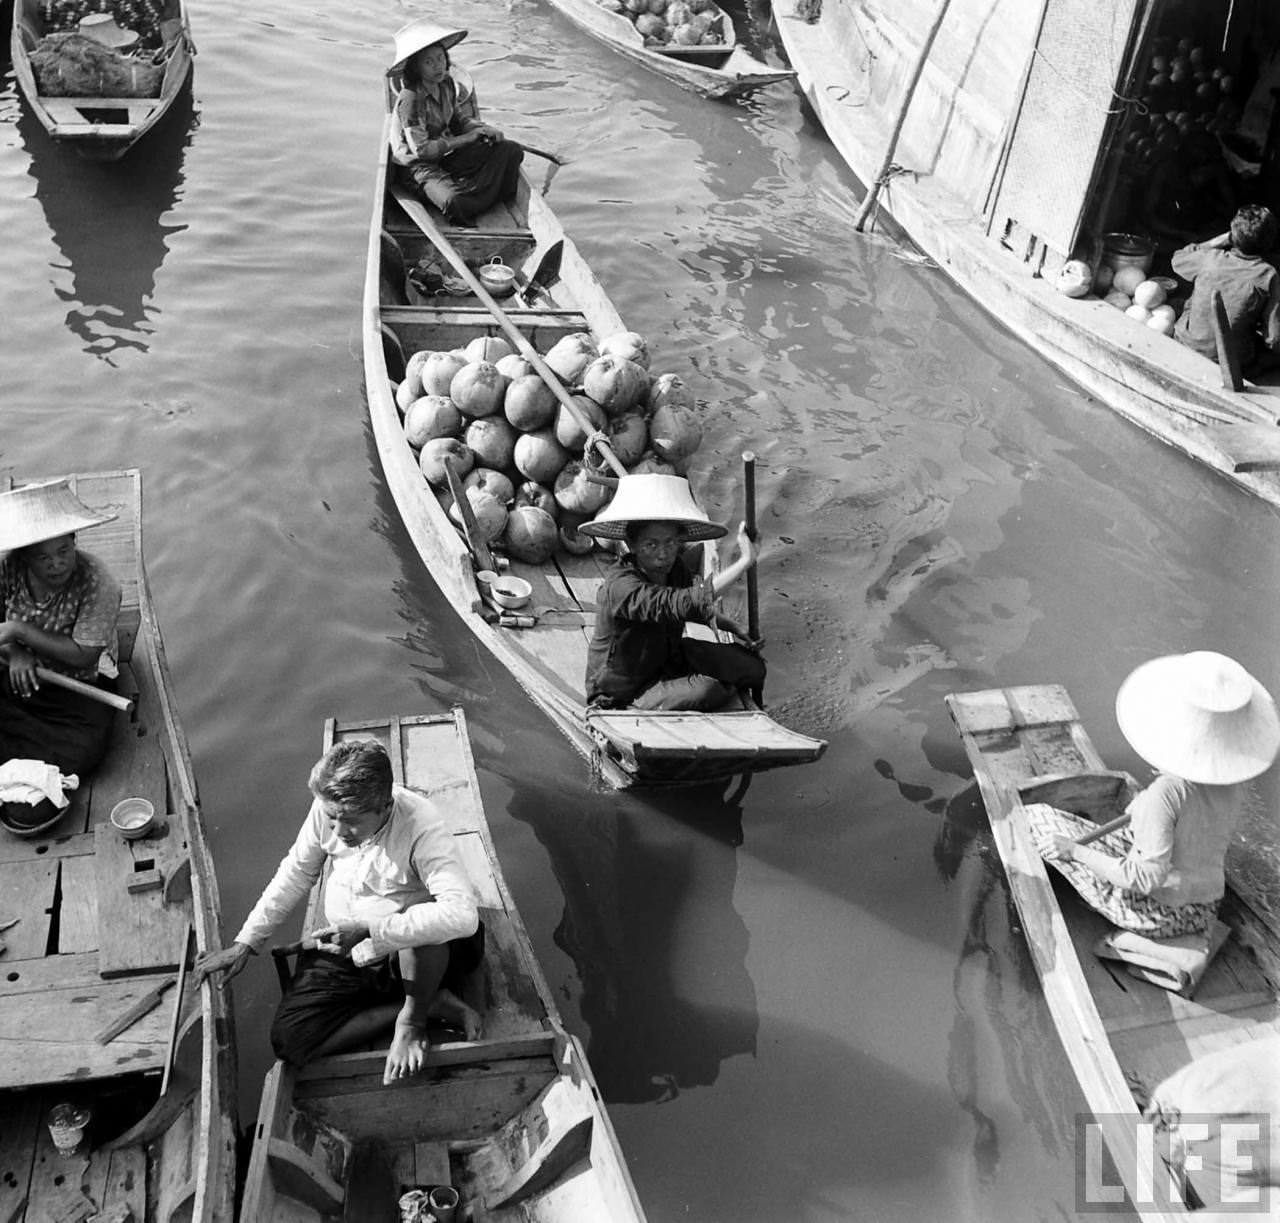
column 616, row 528
column 445, row 41
column 1175, row 736
column 67, row 518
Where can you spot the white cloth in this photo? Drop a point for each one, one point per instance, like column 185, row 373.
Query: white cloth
column 32, row 781
column 406, row 883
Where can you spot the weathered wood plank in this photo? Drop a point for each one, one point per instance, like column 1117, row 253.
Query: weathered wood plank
column 27, row 892
column 35, row 849
column 471, row 850
column 126, row 1182
column 137, row 931
column 72, row 972
column 431, row 1164
column 17, row 1151
column 78, row 912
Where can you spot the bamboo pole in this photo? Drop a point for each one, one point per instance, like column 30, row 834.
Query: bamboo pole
column 873, row 187
column 753, row 585
column 101, row 695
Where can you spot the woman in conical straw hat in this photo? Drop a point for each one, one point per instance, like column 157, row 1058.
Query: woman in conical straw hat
column 639, row 656
column 60, row 607
column 1209, row 727
column 463, row 166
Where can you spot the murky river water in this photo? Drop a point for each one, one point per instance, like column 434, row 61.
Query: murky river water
column 812, row 1004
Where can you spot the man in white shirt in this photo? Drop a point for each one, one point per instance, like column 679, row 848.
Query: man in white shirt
column 402, row 928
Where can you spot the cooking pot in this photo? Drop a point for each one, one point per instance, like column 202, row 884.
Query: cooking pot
column 499, row 279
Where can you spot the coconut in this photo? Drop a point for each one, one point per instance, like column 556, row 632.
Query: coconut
column 489, row 348
column 628, row 436
column 492, row 441
column 1121, row 301
column 1161, row 323
column 430, row 417
column 405, row 393
column 571, row 355
column 678, row 13
column 1127, row 279
column 431, row 460
column 531, row 535
column 536, row 495
column 687, row 35
column 569, row 433
column 413, row 370
column 615, row 383
column 492, row 482
column 490, row 514
column 1164, row 311
column 478, row 389
column 651, row 465
column 574, row 541
column 438, row 372
column 1138, row 313
column 578, row 493
column 1075, row 278
column 652, row 27
column 539, row 457
column 675, row 433
column 629, row 344
column 529, row 403
column 1102, row 278
column 513, row 366
column 669, row 390
column 1150, row 294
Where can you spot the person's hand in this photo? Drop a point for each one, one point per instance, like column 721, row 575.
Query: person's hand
column 488, row 133
column 227, row 961
column 746, row 549
column 741, row 635
column 1061, row 847
column 23, row 680
column 339, row 938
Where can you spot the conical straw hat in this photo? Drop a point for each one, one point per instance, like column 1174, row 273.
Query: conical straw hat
column 418, row 35
column 103, row 28
column 652, row 499
column 37, row 512
column 1200, row 716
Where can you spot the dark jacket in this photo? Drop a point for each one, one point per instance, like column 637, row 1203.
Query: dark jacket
column 639, row 627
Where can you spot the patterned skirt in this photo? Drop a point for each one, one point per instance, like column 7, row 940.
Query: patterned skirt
column 1122, row 908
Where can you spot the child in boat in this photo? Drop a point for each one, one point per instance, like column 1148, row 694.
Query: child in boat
column 1209, row 727
column 60, row 607
column 1234, row 264
column 402, row 928
column 639, row 656
column 461, row 165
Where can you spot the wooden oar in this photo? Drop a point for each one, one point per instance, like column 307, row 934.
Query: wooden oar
column 126, row 1019
column 1102, row 829
column 753, row 586
column 175, row 1020
column 480, row 553
column 428, row 226
column 58, row 680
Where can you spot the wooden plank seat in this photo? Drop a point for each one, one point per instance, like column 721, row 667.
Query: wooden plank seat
column 94, row 112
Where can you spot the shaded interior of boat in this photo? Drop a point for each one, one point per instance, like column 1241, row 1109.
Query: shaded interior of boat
column 512, row 1121
column 102, row 922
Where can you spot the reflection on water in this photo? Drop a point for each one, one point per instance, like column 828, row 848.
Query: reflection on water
column 107, row 220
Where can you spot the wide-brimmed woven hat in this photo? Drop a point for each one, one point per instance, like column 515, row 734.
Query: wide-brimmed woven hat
column 103, row 28
column 418, row 35
column 48, row 510
column 652, row 499
column 1200, row 716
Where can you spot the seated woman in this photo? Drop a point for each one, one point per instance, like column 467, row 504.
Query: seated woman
column 463, row 166
column 639, row 655
column 60, row 609
column 1208, row 726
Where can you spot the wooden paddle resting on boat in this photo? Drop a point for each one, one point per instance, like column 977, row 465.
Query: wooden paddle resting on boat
column 1121, row 1034
column 513, row 1121
column 106, row 926
column 548, row 659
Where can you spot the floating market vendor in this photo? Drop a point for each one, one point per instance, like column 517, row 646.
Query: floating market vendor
column 639, row 655
column 1235, row 264
column 1209, row 727
column 402, row 926
column 463, row 166
column 60, row 608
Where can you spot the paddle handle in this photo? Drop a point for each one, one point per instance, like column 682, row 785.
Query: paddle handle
column 1101, row 831
column 753, row 585
column 58, row 680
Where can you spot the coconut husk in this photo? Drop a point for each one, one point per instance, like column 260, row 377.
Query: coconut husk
column 75, row 66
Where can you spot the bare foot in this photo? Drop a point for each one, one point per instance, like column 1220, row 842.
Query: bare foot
column 408, row 1052
column 449, row 1008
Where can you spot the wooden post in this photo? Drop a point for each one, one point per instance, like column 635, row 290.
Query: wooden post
column 873, row 187
column 753, row 585
column 1228, row 358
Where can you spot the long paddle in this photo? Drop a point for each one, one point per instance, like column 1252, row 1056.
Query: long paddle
column 58, row 680
column 423, row 218
column 753, row 586
column 1102, row 829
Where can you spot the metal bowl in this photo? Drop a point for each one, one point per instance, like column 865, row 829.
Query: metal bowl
column 499, row 279
column 133, row 818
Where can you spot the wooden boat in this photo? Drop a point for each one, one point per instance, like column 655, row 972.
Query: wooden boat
column 103, row 925
column 549, row 659
column 102, row 129
column 1003, row 162
column 1121, row 1034
column 513, row 1121
column 723, row 70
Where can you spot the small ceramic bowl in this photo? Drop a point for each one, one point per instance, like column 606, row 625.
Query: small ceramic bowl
column 133, row 818
column 511, row 592
column 499, row 279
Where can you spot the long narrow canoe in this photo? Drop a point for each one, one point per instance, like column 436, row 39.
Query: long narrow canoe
column 1149, row 379
column 1121, row 1035
column 102, row 129
column 723, row 70
column 512, row 1121
column 102, row 924
column 548, row 660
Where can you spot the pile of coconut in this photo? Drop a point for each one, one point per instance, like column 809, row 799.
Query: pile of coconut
column 677, row 23
column 519, row 451
column 1143, row 298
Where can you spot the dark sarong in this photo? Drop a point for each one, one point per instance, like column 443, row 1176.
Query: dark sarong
column 714, row 672
column 328, row 990
column 54, row 725
column 479, row 176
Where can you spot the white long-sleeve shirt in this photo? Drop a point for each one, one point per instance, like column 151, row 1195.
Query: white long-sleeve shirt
column 406, row 883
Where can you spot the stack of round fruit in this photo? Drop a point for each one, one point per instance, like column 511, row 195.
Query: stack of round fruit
column 676, row 23
column 520, row 452
column 140, row 16
column 1142, row 299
